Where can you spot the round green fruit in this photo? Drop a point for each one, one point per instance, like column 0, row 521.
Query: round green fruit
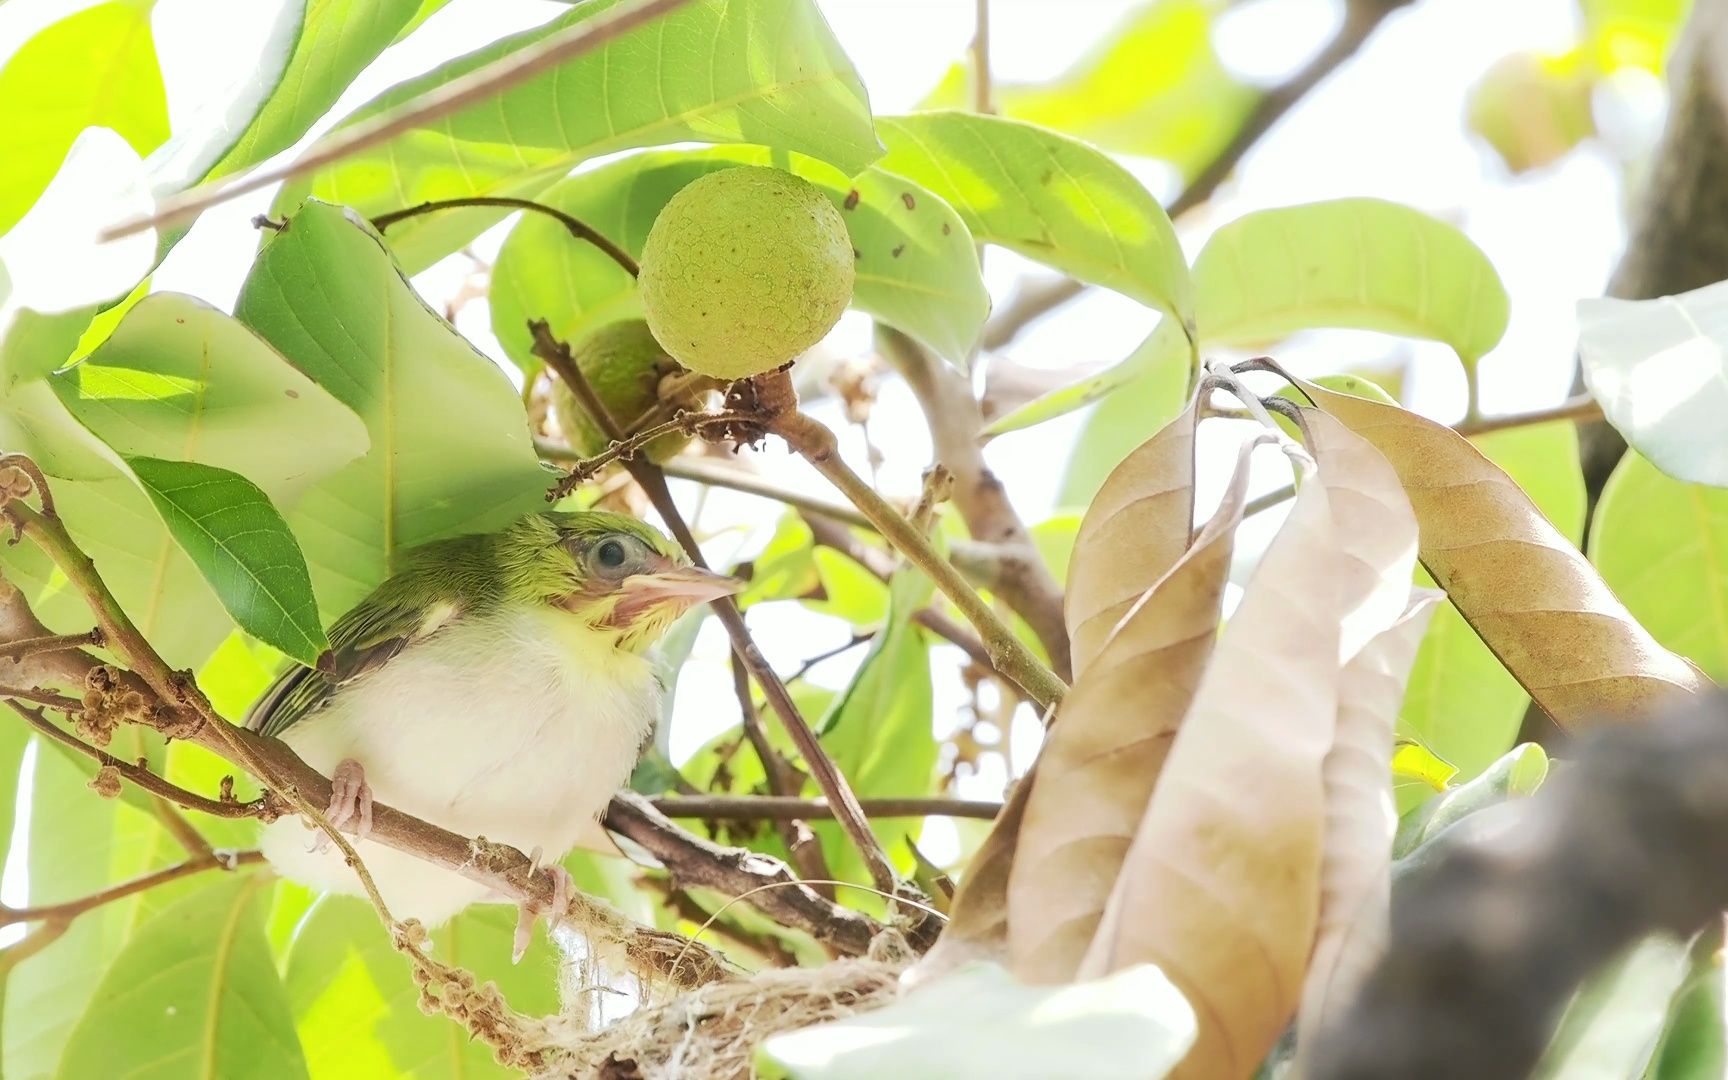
column 744, row 269
column 624, row 365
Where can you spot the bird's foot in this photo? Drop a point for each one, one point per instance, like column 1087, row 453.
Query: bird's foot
column 350, row 803
column 563, row 888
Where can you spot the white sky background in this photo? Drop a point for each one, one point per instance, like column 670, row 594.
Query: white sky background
column 1388, row 124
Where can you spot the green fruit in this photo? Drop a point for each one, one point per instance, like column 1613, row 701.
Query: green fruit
column 744, row 269
column 624, row 365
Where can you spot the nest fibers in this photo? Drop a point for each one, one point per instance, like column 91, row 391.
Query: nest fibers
column 711, row 1032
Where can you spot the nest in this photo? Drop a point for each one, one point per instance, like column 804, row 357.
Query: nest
column 711, row 1032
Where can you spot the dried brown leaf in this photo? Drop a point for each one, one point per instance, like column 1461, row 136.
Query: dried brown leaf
column 1132, row 534
column 1221, row 885
column 1102, row 757
column 1356, row 859
column 1526, row 591
column 977, row 927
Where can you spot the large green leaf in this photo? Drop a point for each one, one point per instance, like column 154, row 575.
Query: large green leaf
column 194, row 994
column 1662, row 546
column 916, row 267
column 450, row 450
column 96, row 68
column 1660, row 369
column 1049, row 197
column 1461, row 702
column 721, row 71
column 180, row 380
column 1364, row 264
column 241, row 545
column 356, row 1007
column 1153, row 87
column 979, row 1024
column 78, row 844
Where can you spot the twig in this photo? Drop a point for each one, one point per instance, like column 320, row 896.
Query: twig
column 577, row 227
column 15, row 650
column 982, row 96
column 477, row 85
column 1582, row 409
column 702, row 472
column 264, row 806
column 826, row 655
column 556, row 355
column 815, row 443
column 955, row 420
column 70, row 706
column 71, row 909
column 627, row 448
column 1361, row 18
column 784, row 778
column 779, row 807
column 692, row 860
column 34, row 942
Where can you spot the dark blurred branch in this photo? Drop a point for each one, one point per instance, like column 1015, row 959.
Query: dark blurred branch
column 1489, row 940
column 1361, row 18
column 781, row 808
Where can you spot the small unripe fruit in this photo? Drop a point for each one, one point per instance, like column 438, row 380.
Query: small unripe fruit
column 744, row 269
column 624, row 365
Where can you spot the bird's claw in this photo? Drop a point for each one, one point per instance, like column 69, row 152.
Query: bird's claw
column 563, row 888
column 350, row 803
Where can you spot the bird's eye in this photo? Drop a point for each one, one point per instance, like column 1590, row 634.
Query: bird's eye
column 610, row 554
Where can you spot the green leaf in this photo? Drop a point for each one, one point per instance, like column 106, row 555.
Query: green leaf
column 718, row 71
column 1156, row 360
column 356, row 1006
column 1363, row 264
column 78, row 844
column 195, row 993
column 1461, row 701
column 786, row 567
column 1515, row 775
column 979, row 1023
column 1614, row 1022
column 179, row 379
column 1153, row 87
column 336, row 40
column 96, row 68
column 241, row 545
column 1049, row 197
column 1662, row 546
column 450, row 450
column 1660, row 369
column 1694, row 1047
column 916, row 267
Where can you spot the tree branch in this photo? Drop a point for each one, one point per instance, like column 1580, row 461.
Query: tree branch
column 576, row 226
column 782, row 808
column 476, row 86
column 71, row 909
column 556, row 355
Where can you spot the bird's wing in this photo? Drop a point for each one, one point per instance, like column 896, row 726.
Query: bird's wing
column 360, row 642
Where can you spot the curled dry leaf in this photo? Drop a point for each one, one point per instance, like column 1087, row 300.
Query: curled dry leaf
column 1355, row 866
column 1133, row 532
column 1102, row 758
column 1530, row 595
column 977, row 927
column 1221, row 884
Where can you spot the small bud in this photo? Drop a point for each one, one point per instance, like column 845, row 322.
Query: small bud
column 106, row 782
column 14, row 484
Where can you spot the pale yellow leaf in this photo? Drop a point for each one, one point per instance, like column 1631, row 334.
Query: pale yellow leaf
column 1355, row 867
column 1133, row 532
column 1522, row 586
column 1221, row 885
column 1102, row 757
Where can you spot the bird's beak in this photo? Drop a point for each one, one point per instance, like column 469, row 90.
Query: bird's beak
column 677, row 587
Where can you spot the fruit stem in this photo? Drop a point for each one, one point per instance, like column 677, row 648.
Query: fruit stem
column 578, row 228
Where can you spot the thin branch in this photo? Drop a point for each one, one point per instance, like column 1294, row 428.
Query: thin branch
column 1583, row 408
column 692, row 860
column 816, row 444
column 556, row 355
column 784, row 778
column 39, row 696
column 34, row 942
column 779, row 808
column 1361, row 18
column 142, row 777
column 578, row 228
column 17, row 650
column 71, row 909
column 983, row 99
column 702, row 472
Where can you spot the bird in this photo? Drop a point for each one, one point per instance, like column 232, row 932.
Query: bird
column 497, row 685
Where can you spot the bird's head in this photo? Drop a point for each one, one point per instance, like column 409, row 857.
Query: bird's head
column 616, row 573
